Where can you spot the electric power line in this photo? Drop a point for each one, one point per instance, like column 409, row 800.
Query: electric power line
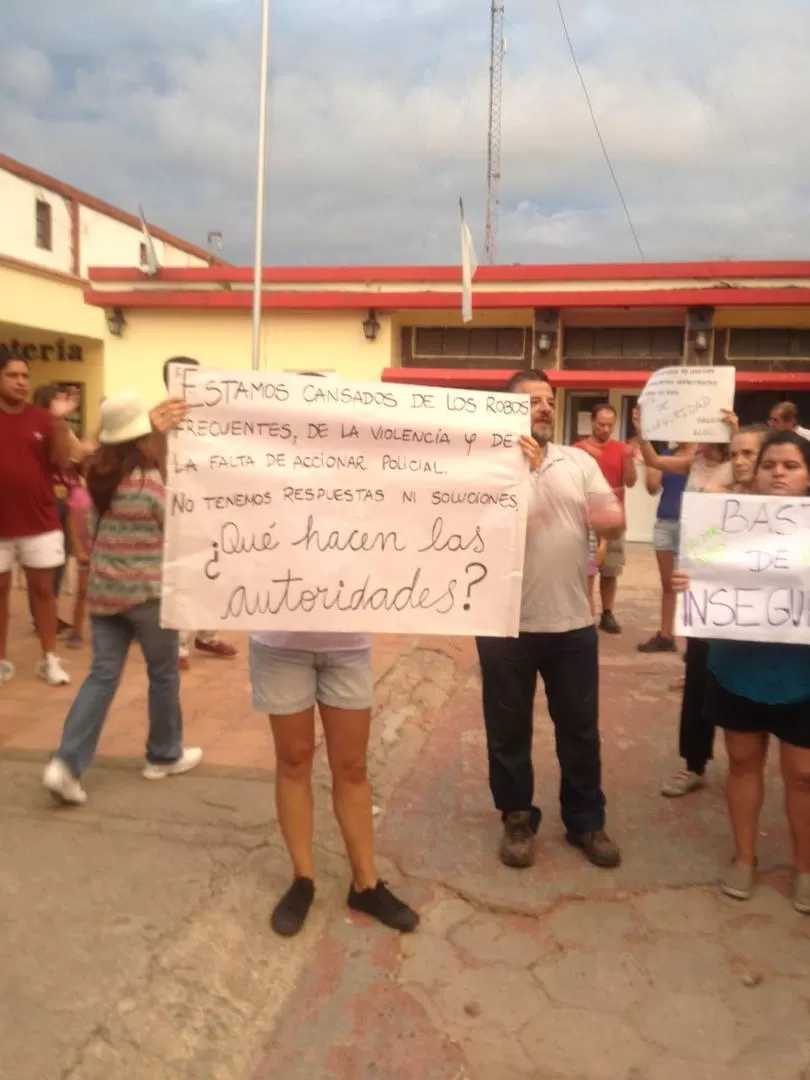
column 598, row 131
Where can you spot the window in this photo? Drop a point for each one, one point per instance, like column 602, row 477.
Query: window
column 44, row 229
column 768, row 344
column 636, row 348
column 457, row 347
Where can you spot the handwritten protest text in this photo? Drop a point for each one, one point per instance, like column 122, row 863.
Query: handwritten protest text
column 301, row 504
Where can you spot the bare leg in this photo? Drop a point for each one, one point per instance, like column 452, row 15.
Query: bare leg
column 607, row 591
column 796, row 774
column 347, row 734
column 745, row 790
column 43, row 603
column 5, row 591
column 294, row 738
column 666, row 564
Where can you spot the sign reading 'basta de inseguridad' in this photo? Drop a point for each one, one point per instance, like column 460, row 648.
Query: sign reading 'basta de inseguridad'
column 748, row 561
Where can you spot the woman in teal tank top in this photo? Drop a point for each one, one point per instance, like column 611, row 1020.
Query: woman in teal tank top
column 761, row 689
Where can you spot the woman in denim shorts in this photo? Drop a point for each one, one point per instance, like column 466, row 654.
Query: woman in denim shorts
column 666, row 538
column 290, row 673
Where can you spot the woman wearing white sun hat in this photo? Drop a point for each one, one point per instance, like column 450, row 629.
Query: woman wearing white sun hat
column 125, row 483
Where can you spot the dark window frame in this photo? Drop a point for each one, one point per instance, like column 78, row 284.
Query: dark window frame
column 507, row 347
column 768, row 343
column 618, row 343
column 43, row 222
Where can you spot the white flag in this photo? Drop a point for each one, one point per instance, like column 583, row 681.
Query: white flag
column 150, row 264
column 469, row 267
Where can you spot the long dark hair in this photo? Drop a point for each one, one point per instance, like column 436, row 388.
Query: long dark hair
column 108, row 466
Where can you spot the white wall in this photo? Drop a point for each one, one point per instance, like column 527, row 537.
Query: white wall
column 640, row 508
column 18, row 224
column 105, row 241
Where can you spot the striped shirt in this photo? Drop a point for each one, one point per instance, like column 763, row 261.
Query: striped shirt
column 126, row 565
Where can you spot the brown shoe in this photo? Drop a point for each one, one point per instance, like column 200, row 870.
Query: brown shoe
column 183, row 664
column 599, row 849
column 517, row 845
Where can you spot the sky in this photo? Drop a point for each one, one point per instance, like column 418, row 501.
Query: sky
column 378, row 123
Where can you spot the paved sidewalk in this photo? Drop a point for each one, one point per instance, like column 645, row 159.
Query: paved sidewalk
column 134, row 931
column 217, row 709
column 565, row 972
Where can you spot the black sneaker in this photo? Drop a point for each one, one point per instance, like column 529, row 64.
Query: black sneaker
column 290, row 913
column 381, row 904
column 658, row 643
column 608, row 623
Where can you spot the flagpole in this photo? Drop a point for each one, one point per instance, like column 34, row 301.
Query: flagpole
column 258, row 260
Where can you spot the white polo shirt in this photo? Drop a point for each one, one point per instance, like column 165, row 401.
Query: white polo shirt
column 555, row 573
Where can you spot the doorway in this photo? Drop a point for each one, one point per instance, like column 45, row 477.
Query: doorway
column 578, row 414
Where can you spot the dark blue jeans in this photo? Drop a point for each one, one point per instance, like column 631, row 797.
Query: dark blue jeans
column 112, row 636
column 568, row 664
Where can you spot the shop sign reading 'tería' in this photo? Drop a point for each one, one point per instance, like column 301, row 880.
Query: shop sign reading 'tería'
column 56, row 350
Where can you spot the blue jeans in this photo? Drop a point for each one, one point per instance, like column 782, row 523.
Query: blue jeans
column 112, row 636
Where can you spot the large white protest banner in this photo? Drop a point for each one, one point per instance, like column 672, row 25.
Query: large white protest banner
column 685, row 404
column 748, row 561
column 299, row 503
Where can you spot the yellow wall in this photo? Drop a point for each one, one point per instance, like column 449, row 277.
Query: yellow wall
column 306, row 341
column 781, row 318
column 41, row 303
column 40, row 311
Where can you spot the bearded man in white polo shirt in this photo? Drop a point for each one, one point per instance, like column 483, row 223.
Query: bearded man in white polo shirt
column 558, row 641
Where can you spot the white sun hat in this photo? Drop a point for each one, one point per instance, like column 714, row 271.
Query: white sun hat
column 124, row 417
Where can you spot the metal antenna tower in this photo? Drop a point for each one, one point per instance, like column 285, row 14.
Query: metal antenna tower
column 497, row 50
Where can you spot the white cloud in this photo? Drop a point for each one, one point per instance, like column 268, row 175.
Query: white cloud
column 378, row 122
column 26, row 74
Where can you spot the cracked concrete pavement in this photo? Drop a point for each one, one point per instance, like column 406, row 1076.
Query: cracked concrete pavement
column 135, row 944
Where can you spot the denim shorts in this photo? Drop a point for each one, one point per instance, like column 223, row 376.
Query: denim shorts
column 666, row 535
column 286, row 681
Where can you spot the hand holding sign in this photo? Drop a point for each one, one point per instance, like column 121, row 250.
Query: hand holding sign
column 168, row 415
column 687, row 405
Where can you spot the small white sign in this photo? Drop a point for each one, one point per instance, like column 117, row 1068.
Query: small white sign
column 299, row 503
column 748, row 561
column 685, row 404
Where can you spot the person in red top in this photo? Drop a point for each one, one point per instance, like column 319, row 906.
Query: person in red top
column 33, row 442
column 618, row 465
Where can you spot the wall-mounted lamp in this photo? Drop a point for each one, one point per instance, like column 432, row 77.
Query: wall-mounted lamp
column 546, row 332
column 371, row 326
column 115, row 321
column 699, row 333
column 544, row 342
